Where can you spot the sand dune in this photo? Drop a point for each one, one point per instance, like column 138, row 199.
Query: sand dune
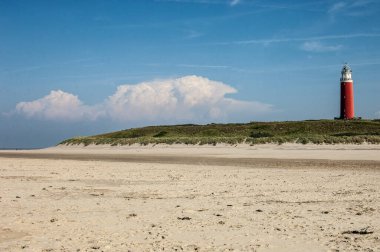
column 191, row 199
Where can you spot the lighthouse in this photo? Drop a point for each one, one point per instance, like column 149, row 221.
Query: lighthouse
column 346, row 94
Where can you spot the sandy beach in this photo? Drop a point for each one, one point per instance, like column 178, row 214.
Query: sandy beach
column 191, row 198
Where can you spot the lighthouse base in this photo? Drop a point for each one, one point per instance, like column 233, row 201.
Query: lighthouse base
column 348, row 119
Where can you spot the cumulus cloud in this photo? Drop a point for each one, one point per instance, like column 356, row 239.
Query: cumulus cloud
column 58, row 105
column 190, row 98
column 315, row 46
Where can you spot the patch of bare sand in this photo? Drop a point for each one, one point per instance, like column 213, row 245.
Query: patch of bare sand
column 68, row 205
column 284, row 151
column 7, row 234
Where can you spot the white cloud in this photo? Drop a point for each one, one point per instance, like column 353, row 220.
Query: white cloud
column 377, row 114
column 230, row 2
column 58, row 105
column 191, row 34
column 190, row 98
column 352, row 8
column 187, row 98
column 268, row 41
column 315, row 46
column 234, row 2
column 337, row 7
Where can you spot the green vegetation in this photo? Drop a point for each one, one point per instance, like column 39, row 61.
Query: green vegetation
column 317, row 132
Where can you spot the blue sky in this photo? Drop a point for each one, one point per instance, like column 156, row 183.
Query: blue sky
column 70, row 68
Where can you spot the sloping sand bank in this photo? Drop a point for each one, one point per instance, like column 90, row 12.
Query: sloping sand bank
column 191, row 199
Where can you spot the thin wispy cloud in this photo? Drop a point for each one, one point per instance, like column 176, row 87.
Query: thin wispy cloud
column 223, row 2
column 337, row 7
column 254, row 8
column 360, row 3
column 352, row 8
column 316, row 46
column 268, row 41
column 198, row 20
column 234, row 2
column 306, row 6
column 186, row 65
column 367, row 62
column 192, row 34
column 303, row 68
column 202, row 66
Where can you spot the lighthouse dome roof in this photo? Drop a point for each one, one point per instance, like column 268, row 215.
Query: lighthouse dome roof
column 346, row 68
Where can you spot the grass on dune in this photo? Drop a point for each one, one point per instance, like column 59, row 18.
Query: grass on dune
column 313, row 131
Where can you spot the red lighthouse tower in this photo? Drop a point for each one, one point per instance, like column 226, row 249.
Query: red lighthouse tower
column 346, row 94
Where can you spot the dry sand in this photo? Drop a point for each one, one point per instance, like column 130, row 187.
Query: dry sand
column 244, row 198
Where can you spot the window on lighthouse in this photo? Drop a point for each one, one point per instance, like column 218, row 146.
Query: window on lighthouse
column 347, row 75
